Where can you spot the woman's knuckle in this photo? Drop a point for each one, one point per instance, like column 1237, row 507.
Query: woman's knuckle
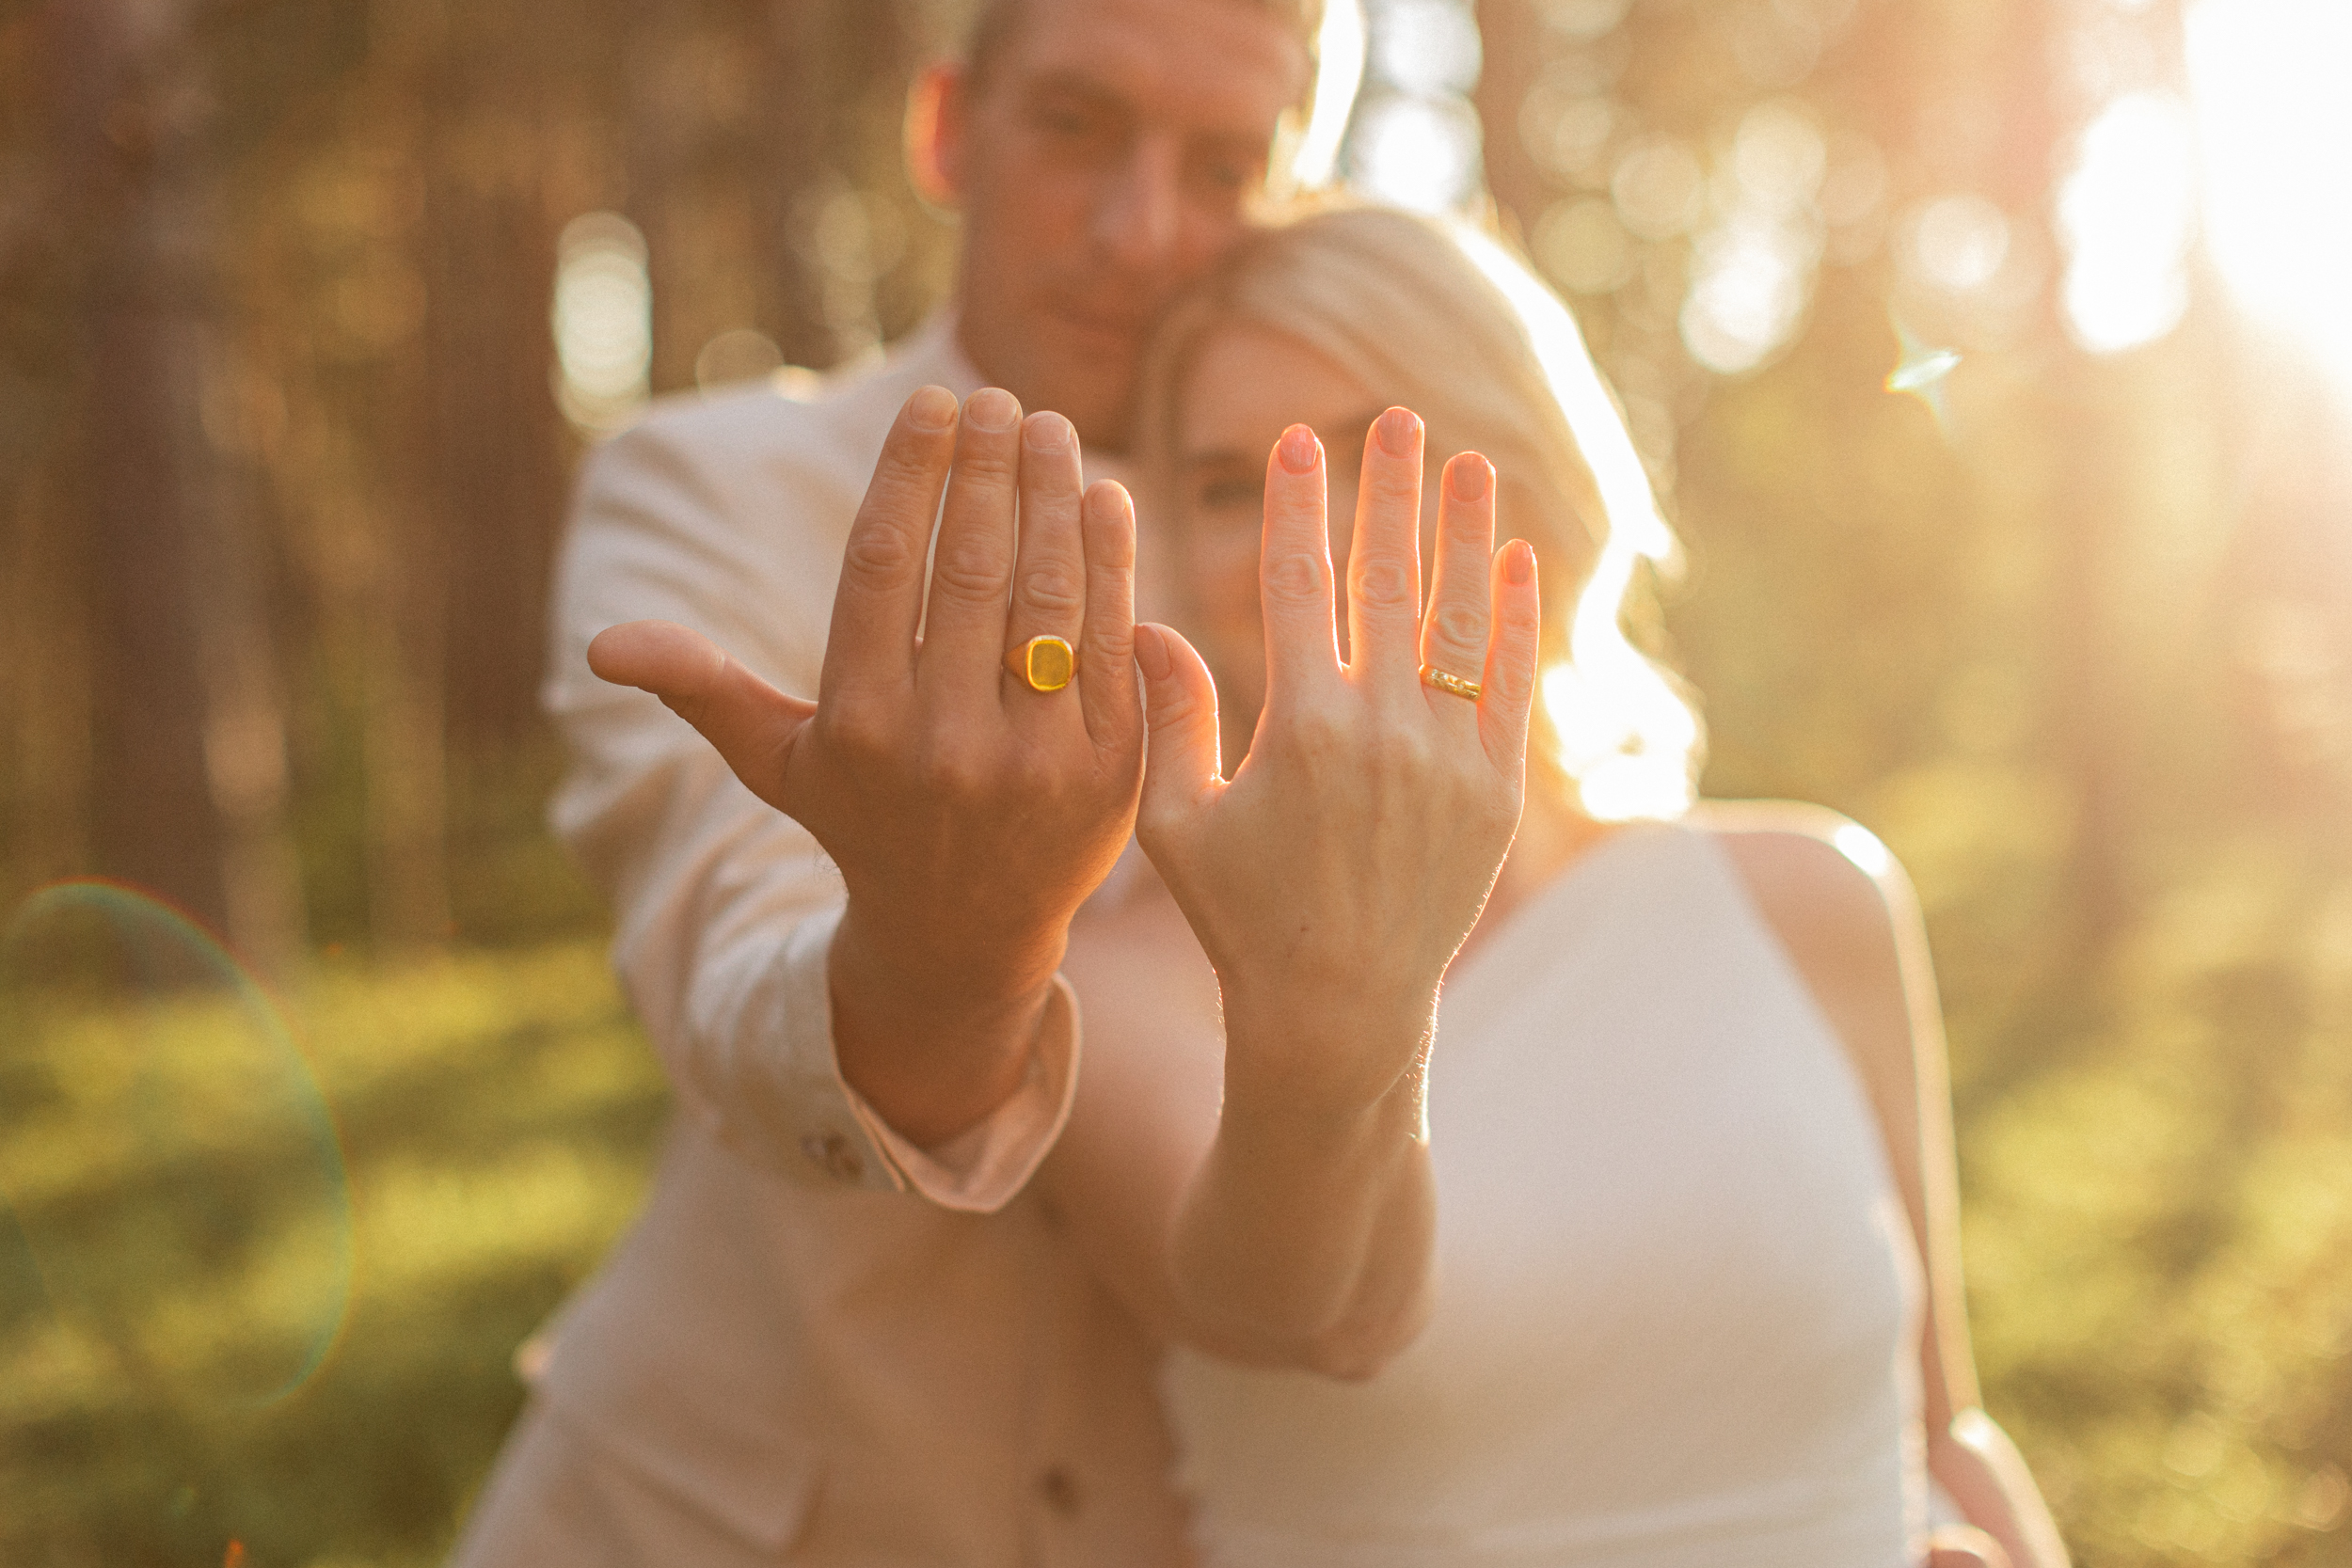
column 1458, row 626
column 1295, row 576
column 1384, row 582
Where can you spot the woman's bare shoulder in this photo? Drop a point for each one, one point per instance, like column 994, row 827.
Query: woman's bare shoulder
column 1835, row 898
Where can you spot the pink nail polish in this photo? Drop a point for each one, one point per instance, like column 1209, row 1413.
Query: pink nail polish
column 1518, row 565
column 1298, row 449
column 1397, row 428
column 1473, row 475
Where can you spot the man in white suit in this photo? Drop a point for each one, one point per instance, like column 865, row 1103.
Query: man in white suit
column 843, row 1332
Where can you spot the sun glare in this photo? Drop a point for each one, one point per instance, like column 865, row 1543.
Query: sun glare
column 2274, row 118
column 2127, row 214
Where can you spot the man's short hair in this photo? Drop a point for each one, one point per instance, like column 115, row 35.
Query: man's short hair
column 998, row 23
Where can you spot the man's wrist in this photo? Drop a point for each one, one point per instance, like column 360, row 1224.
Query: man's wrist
column 934, row 1045
column 929, row 966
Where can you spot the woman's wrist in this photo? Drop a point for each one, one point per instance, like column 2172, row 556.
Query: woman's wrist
column 1313, row 1062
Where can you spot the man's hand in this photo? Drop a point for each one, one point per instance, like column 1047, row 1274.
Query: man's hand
column 970, row 815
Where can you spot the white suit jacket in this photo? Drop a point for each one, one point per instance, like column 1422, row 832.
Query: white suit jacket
column 842, row 1348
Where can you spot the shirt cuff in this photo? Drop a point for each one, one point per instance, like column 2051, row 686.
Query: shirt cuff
column 980, row 1169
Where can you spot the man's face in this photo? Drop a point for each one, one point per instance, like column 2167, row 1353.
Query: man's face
column 1101, row 164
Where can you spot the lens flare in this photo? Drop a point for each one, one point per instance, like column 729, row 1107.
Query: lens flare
column 172, row 1166
column 1921, row 370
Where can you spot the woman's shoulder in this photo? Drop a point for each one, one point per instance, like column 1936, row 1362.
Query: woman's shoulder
column 1824, row 884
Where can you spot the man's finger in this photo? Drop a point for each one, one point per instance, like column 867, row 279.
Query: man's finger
column 1294, row 572
column 963, row 631
column 1384, row 562
column 1049, row 574
column 1454, row 637
column 748, row 722
column 879, row 600
column 1106, row 670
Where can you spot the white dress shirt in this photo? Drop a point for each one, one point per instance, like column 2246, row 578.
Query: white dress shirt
column 842, row 1347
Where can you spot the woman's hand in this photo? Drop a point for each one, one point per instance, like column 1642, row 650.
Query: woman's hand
column 1334, row 877
column 1331, row 882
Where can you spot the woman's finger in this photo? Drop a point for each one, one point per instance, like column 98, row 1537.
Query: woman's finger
column 964, row 629
column 1454, row 635
column 1507, row 695
column 1107, row 644
column 1049, row 575
column 1302, row 648
column 879, row 600
column 1384, row 562
column 1181, row 769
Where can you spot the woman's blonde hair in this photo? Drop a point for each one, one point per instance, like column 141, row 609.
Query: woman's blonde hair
column 1435, row 315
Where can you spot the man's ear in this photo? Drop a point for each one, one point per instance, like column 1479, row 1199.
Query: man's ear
column 936, row 125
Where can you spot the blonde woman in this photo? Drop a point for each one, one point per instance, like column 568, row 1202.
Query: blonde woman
column 1638, row 1251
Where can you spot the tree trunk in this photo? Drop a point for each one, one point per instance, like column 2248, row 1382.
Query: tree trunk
column 189, row 754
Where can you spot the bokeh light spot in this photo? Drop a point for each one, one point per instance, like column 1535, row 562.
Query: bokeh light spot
column 1582, row 246
column 1430, row 48
column 737, row 354
column 170, row 1161
column 1958, row 243
column 1582, row 19
column 1417, row 152
column 1660, row 188
column 1751, row 280
column 603, row 321
column 2124, row 212
column 1778, row 155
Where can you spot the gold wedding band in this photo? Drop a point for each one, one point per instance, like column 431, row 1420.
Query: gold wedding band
column 1456, row 684
column 1043, row 663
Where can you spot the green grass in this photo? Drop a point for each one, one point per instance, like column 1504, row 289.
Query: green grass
column 2159, row 1236
column 2159, row 1242
column 496, row 1116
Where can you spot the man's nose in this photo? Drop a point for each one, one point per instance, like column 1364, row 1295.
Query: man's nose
column 1137, row 214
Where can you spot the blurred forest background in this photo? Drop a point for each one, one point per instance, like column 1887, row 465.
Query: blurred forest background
column 2019, row 527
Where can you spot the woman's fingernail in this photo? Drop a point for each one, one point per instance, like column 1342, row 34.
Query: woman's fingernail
column 1473, row 475
column 1518, row 563
column 1298, row 449
column 1397, row 428
column 931, row 408
column 1151, row 653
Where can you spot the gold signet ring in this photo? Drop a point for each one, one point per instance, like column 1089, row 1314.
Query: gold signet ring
column 1456, row 684
column 1043, row 663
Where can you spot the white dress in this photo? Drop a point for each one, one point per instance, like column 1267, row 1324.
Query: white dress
column 1677, row 1299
